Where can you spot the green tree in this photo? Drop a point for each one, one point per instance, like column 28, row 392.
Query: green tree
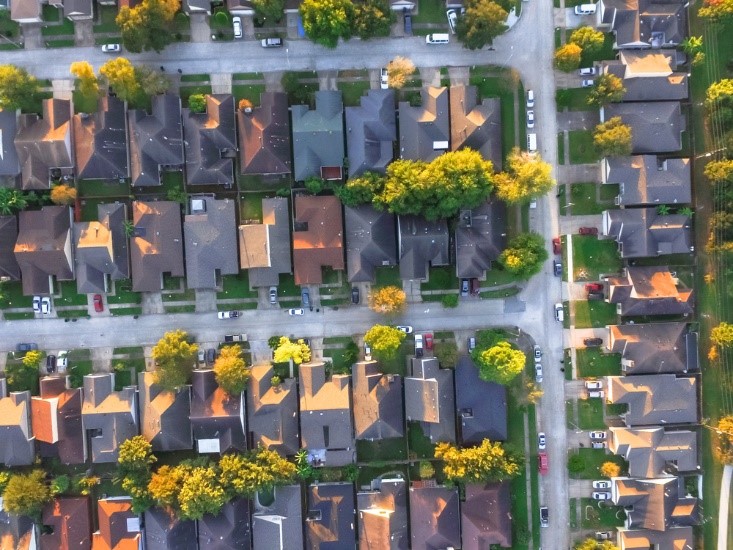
column 175, row 358
column 567, row 57
column 719, row 171
column 525, row 255
column 589, row 39
column 269, row 9
column 387, row 300
column 325, row 21
column 63, row 194
column 147, row 26
column 120, row 75
column 692, row 45
column 487, row 462
column 593, row 544
column 245, row 475
column 716, row 9
column 360, row 190
column 18, row 89
column 298, row 352
column 723, row 440
column 88, row 84
column 483, row 21
column 500, row 363
column 608, row 88
column 576, row 463
column 384, row 340
column 22, row 376
column 231, row 371
column 201, row 493
column 60, row 485
column 722, row 335
column 612, row 138
column 25, row 494
column 151, row 82
column 11, row 201
column 449, row 300
column 398, row 71
column 315, row 185
column 526, row 176
column 372, row 18
column 273, row 342
column 135, row 454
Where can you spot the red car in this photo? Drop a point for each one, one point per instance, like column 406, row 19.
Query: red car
column 588, row 231
column 594, row 287
column 542, row 463
column 98, row 303
column 556, row 246
column 429, row 341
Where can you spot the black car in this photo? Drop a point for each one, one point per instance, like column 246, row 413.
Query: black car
column 305, row 296
column 592, row 342
column 557, row 268
column 596, row 296
column 544, row 516
column 26, row 347
column 50, row 364
column 408, row 23
column 355, row 297
column 210, row 356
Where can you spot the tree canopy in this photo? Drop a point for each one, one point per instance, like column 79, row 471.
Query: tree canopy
column 719, row 96
column 719, row 171
column 610, row 469
column 200, row 493
column 525, row 255
column 147, row 26
column 25, row 494
column 384, row 340
column 722, row 335
column 612, row 138
column 487, row 462
column 483, row 21
column 325, row 21
column 372, row 18
column 120, row 74
column 360, row 190
column 387, row 300
column 398, row 71
column 723, row 437
column 716, row 9
column 18, row 89
column 526, row 176
column 589, row 39
column 175, row 358
column 231, row 371
column 135, row 454
column 244, row 475
column 63, row 194
column 608, row 88
column 269, row 9
column 88, row 84
column 593, row 544
column 298, row 352
column 500, row 363
column 567, row 57
column 11, row 201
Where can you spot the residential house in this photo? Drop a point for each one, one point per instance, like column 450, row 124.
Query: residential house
column 421, row 243
column 17, row 446
column 654, row 348
column 648, row 75
column 425, row 130
column 318, row 138
column 17, row 532
column 57, row 424
column 383, row 515
column 209, row 142
column 654, row 399
column 75, row 10
column 643, row 539
column 429, row 399
column 378, row 402
column 486, row 516
column 191, row 7
column 164, row 530
column 9, row 268
column 43, row 249
column 318, row 233
column 434, row 517
column 100, row 142
column 228, row 530
column 119, row 527
column 655, row 504
column 102, row 254
column 9, row 164
column 264, row 248
column 156, row 140
column 656, row 127
column 326, row 428
column 475, row 125
column 45, row 145
column 655, row 452
column 264, row 135
column 280, row 525
column 329, row 522
column 481, row 405
column 210, row 232
column 240, row 7
column 642, row 24
column 26, row 11
column 649, row 180
column 272, row 412
column 647, row 291
column 109, row 417
column 481, row 237
column 156, row 246
column 645, row 233
column 371, row 242
column 67, row 524
column 164, row 418
column 371, row 132
column 217, row 418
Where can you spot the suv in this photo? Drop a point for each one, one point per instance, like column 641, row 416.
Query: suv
column 273, row 294
column 408, row 23
column 557, row 268
column 355, row 296
column 452, row 18
column 30, row 346
column 418, row 345
column 596, row 394
column 559, row 313
column 544, row 516
column 228, row 314
column 275, row 42
column 234, row 338
column 587, row 71
column 592, row 342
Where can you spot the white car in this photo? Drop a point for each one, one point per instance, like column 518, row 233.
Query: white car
column 602, row 484
column 587, row 83
column 383, row 79
column 600, row 436
column 228, row 314
column 296, row 311
column 111, row 48
column 538, row 372
column 587, row 71
column 598, row 445
column 599, row 495
column 367, row 352
column 541, row 441
column 404, row 328
column 559, row 313
column 37, row 304
column 45, row 305
column 530, row 119
column 594, row 385
column 237, row 26
column 452, row 18
column 201, row 355
column 530, row 99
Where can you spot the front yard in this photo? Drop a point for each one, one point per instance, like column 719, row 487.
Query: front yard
column 592, row 362
column 593, row 257
column 594, row 314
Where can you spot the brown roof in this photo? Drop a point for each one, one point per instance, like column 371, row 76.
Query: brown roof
column 70, row 524
column 56, row 416
column 119, row 528
column 157, row 245
column 317, row 237
column 434, row 521
column 264, row 136
column 486, row 516
column 8, row 236
column 649, row 291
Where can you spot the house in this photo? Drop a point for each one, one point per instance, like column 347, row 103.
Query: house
column 655, row 504
column 647, row 291
column 383, row 515
column 481, row 237
column 210, row 232
column 318, row 138
column 26, row 11
column 17, row 447
column 378, row 402
column 109, row 417
column 264, row 135
column 156, row 246
column 279, row 525
column 371, row 242
column 434, row 517
column 329, row 522
column 656, row 127
column 655, row 452
column 102, row 254
column 164, row 530
column 422, row 244
column 371, row 132
column 196, row 6
column 156, row 140
column 654, row 399
column 272, row 412
column 9, row 164
column 429, row 399
column 45, row 145
column 100, row 142
column 228, row 530
column 119, row 527
column 264, row 248
column 425, row 130
column 642, row 24
column 648, row 75
column 75, row 10
column 649, row 180
column 318, row 232
column 57, row 424
column 217, row 418
column 654, row 348
column 18, row 532
column 9, row 268
column 475, row 125
column 486, row 516
column 326, row 428
column 643, row 539
column 240, row 7
column 164, row 418
column 645, row 233
column 210, row 145
column 481, row 405
column 67, row 524
column 43, row 249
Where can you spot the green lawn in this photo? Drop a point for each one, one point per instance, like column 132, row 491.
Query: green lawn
column 584, row 198
column 106, row 17
column 594, row 314
column 188, row 91
column 123, row 293
column 592, row 257
column 353, row 91
column 248, row 91
column 398, row 363
column 561, row 148
column 598, row 515
column 591, row 362
column 236, row 286
column 250, row 207
column 60, row 25
column 287, row 287
column 590, row 414
column 593, row 459
column 574, row 99
column 12, row 296
column 387, row 276
column 441, row 278
column 418, row 442
column 69, row 297
column 431, row 11
column 582, row 150
column 101, row 188
column 499, row 85
column 382, row 449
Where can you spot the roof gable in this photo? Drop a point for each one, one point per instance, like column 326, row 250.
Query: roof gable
column 264, row 136
column 100, row 141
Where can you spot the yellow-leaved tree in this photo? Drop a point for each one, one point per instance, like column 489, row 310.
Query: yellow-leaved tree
column 388, row 299
column 298, row 352
column 88, row 83
column 174, row 358
column 63, row 194
column 231, row 371
column 486, row 462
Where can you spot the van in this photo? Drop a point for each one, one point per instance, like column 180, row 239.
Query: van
column 585, row 9
column 418, row 345
column 532, row 143
column 559, row 313
column 437, row 38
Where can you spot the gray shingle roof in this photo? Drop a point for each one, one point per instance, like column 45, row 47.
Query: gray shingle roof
column 264, row 249
column 383, row 515
column 644, row 233
column 25, row 10
column 57, row 424
column 650, row 180
column 318, row 136
column 425, row 130
column 211, row 240
column 100, row 141
column 654, row 348
column 653, row 452
column 78, row 9
column 656, row 127
column 434, row 518
column 643, row 291
column 229, row 530
column 656, row 504
column 654, row 399
column 429, row 399
column 279, row 525
column 218, row 420
column 648, row 75
column 17, row 532
column 643, row 539
column 378, row 402
column 480, row 238
column 8, row 236
column 481, row 405
column 164, row 530
column 421, row 243
column 476, row 125
column 264, row 136
column 371, row 131
column 371, row 242
column 16, row 433
column 9, row 164
column 329, row 523
column 164, row 415
column 486, row 516
column 272, row 412
column 645, row 23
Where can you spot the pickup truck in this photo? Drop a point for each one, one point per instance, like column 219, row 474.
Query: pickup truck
column 235, row 338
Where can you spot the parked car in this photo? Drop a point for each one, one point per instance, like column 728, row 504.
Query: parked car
column 202, row 355
column 407, row 23
column 598, row 435
column 305, row 297
column 530, row 99
column 530, row 119
column 557, row 268
column 587, row 71
column 429, row 341
column 596, row 394
column 598, row 445
column 273, row 294
column 541, row 441
column 111, row 48
column 98, row 303
column 383, row 79
column 587, row 83
column 367, row 352
column 556, row 245
column 45, row 305
column 228, row 314
column 50, row 364
column 405, row 328
column 274, row 42
column 26, row 346
column 604, row 535
column 37, row 304
column 592, row 342
column 419, row 342
column 235, row 338
column 465, row 285
column 237, row 26
column 355, row 295
column 537, row 354
column 593, row 385
column 559, row 313
column 544, row 516
column 538, row 373
column 602, row 484
column 210, row 356
column 452, row 18
column 475, row 287
column 601, row 495
column 471, row 343
column 296, row 311
column 596, row 296
column 594, row 287
column 542, row 464
column 588, row 230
